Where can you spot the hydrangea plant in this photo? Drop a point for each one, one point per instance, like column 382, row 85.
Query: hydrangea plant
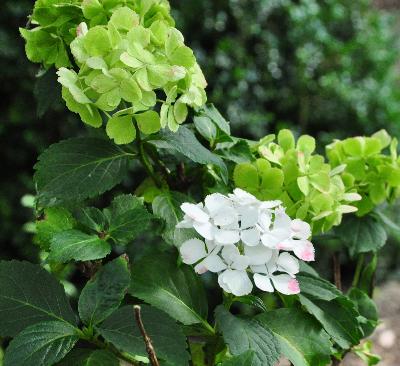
column 140, row 270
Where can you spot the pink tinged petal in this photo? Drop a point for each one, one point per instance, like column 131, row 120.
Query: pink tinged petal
column 216, row 202
column 200, row 268
column 214, row 263
column 258, row 255
column 229, row 253
column 192, row 251
column 195, row 212
column 285, row 284
column 304, row 250
column 263, row 282
column 238, row 282
column 206, row 230
column 250, row 237
column 240, row 262
column 82, row 29
column 287, row 263
column 300, row 229
column 270, row 241
column 226, row 237
column 248, row 216
column 226, row 217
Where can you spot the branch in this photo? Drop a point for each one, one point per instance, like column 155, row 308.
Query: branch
column 149, row 346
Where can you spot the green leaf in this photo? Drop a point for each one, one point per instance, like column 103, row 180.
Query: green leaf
column 211, row 112
column 30, row 295
column 47, row 91
column 184, row 141
column 167, row 337
column 41, row 344
column 88, row 357
column 121, row 130
column 317, row 287
column 148, row 122
column 92, row 218
column 362, row 235
column 177, row 291
column 122, row 204
column 248, row 334
column 97, row 42
column 76, row 245
column 253, row 301
column 286, row 139
column 245, row 359
column 338, row 317
column 79, row 168
column 128, row 225
column 103, row 294
column 301, row 338
column 205, row 127
column 55, row 220
column 367, row 308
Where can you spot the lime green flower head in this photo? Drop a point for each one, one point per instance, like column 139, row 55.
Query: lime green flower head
column 375, row 175
column 290, row 171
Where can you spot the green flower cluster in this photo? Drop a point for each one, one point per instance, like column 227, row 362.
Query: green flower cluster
column 302, row 180
column 133, row 66
column 376, row 176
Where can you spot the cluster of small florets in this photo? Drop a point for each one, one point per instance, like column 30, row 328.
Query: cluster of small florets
column 243, row 237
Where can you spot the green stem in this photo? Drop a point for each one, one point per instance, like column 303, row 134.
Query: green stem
column 357, row 274
column 144, row 158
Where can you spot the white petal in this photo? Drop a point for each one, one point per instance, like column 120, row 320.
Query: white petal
column 301, row 229
column 229, row 253
column 271, row 264
column 238, row 282
column 242, row 197
column 263, row 283
column 192, row 251
column 287, row 263
column 200, row 268
column 248, row 216
column 186, row 223
column 270, row 241
column 270, row 204
column 222, row 282
column 264, row 220
column 258, row 255
column 352, row 197
column 226, row 217
column 195, row 212
column 240, row 262
column 206, row 230
column 226, row 237
column 250, row 237
column 259, row 269
column 214, row 263
column 282, row 220
column 216, row 202
column 210, row 244
column 285, row 284
column 304, row 250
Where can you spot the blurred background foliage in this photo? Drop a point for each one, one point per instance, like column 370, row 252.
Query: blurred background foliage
column 329, row 68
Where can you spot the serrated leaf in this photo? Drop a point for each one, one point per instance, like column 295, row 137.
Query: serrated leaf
column 317, row 287
column 76, row 245
column 103, row 294
column 184, row 141
column 253, row 301
column 301, row 338
column 338, row 317
column 168, row 339
column 41, row 344
column 362, row 234
column 47, row 91
column 211, row 112
column 88, row 357
column 177, row 291
column 29, row 295
column 128, row 225
column 92, row 218
column 248, row 334
column 79, row 168
column 205, row 127
column 367, row 308
column 245, row 359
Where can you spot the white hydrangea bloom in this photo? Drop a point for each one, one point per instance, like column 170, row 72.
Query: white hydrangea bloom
column 245, row 238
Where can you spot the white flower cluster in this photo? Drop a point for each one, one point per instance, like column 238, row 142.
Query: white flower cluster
column 244, row 236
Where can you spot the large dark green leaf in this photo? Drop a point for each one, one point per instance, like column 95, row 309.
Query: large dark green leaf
column 362, row 234
column 301, row 337
column 213, row 114
column 89, row 357
column 184, row 141
column 41, row 344
column 367, row 308
column 339, row 318
column 29, row 295
column 76, row 245
column 103, row 294
column 245, row 359
column 317, row 287
column 79, row 168
column 179, row 292
column 248, row 334
column 168, row 339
